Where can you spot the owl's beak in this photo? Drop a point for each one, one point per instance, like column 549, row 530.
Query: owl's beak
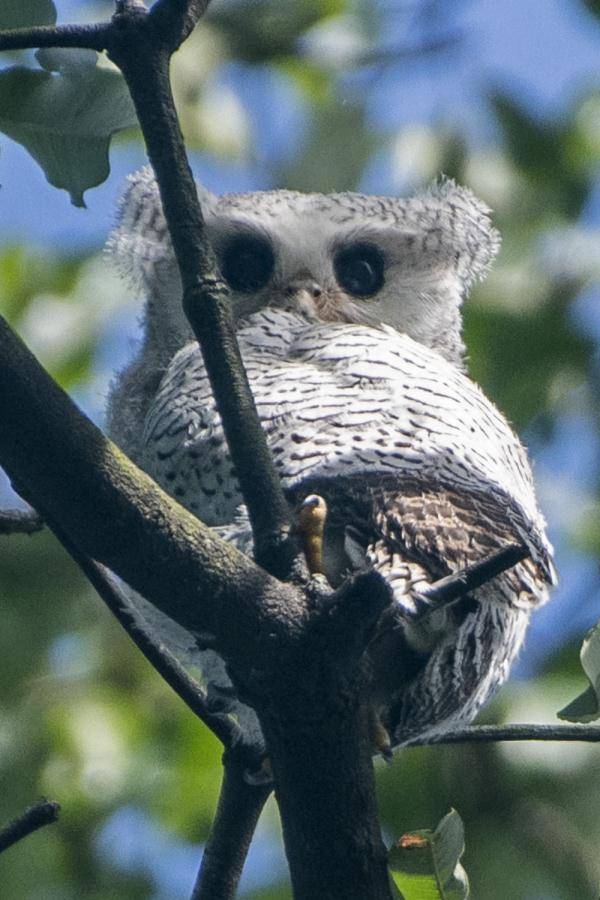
column 302, row 295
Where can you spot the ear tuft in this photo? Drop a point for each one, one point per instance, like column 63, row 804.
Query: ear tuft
column 140, row 244
column 464, row 228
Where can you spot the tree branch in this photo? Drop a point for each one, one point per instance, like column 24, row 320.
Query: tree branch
column 145, row 65
column 451, row 588
column 299, row 666
column 174, row 20
column 240, row 805
column 116, row 514
column 20, row 521
column 160, row 658
column 317, row 729
column 42, row 813
column 86, row 37
column 480, row 734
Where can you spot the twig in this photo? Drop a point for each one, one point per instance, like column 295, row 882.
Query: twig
column 44, row 812
column 480, row 734
column 385, row 56
column 86, row 37
column 166, row 664
column 451, row 588
column 20, row 521
column 175, row 19
column 240, row 805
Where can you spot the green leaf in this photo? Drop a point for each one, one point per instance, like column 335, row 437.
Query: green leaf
column 65, row 115
column 23, row 13
column 540, row 150
column 593, row 6
column 337, row 148
column 425, row 864
column 586, row 707
column 262, row 32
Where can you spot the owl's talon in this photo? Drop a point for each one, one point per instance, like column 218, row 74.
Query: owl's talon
column 311, row 526
column 380, row 736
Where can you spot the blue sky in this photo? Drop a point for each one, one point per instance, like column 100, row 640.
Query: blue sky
column 544, row 51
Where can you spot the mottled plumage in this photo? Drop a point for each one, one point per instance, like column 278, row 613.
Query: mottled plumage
column 364, row 401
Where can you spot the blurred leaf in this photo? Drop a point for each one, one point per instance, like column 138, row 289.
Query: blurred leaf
column 593, row 6
column 542, row 152
column 425, row 864
column 586, row 707
column 25, row 272
column 517, row 355
column 65, row 115
column 337, row 150
column 311, row 80
column 268, row 30
column 23, row 13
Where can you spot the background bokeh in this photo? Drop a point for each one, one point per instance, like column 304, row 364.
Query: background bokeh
column 324, row 95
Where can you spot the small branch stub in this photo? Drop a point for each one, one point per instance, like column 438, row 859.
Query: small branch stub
column 20, row 521
column 42, row 813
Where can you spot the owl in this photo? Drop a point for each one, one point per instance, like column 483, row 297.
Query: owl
column 348, row 317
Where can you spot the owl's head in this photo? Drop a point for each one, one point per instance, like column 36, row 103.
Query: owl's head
column 339, row 257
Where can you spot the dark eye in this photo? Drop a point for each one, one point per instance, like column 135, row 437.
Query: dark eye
column 247, row 263
column 359, row 269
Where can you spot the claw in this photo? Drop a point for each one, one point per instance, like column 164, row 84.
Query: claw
column 380, row 736
column 311, row 522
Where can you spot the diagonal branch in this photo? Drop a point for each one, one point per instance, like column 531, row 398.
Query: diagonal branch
column 160, row 658
column 451, row 588
column 144, row 63
column 42, row 813
column 115, row 513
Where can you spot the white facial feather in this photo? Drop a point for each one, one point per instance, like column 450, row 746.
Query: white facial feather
column 433, row 245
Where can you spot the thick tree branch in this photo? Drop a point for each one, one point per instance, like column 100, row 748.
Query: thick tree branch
column 315, row 745
column 298, row 665
column 318, row 734
column 20, row 521
column 42, row 813
column 240, row 805
column 480, row 734
column 116, row 514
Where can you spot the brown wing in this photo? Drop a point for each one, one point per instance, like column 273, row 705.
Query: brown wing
column 436, row 672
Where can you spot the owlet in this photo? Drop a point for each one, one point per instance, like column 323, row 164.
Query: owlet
column 348, row 312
